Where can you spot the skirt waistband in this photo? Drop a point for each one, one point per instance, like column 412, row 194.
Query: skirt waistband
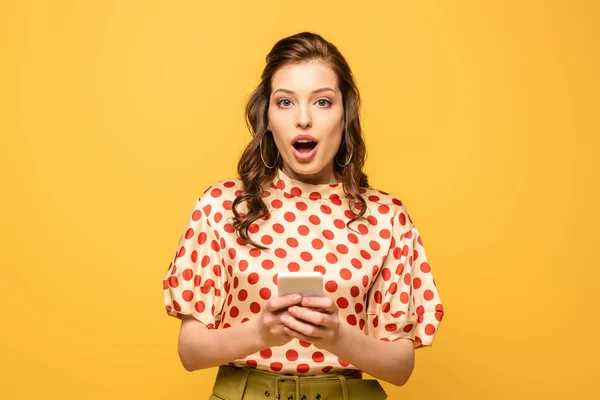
column 242, row 383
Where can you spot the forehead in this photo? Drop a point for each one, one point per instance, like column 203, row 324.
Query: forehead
column 304, row 77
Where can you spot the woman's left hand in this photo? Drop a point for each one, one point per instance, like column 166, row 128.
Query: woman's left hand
column 316, row 321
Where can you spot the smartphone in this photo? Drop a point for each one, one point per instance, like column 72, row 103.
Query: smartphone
column 307, row 284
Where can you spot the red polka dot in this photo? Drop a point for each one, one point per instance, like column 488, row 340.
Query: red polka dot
column 196, row 215
column 200, row 306
column 234, row 312
column 429, row 329
column 303, row 230
column 314, row 220
column 266, row 353
column 289, row 216
column 331, row 258
column 325, row 209
column 281, row 253
column 291, row 355
column 318, row 357
column 255, row 307
column 265, row 293
column 327, row 234
column 254, row 252
column 304, row 344
column 351, row 319
column 306, row 256
column 292, row 242
column 251, row 363
column 331, row 286
column 187, row 274
column 320, row 268
column 253, row 278
column 243, row 295
column 346, row 274
column 267, row 264
column 339, row 224
column 300, row 205
column 343, row 363
column 302, row 368
column 428, row 295
column 342, row 302
column 276, row 366
column 342, row 249
column 278, row 228
column 425, row 267
column 326, row 369
column 173, row 281
column 386, row 274
column 293, row 267
column 317, row 244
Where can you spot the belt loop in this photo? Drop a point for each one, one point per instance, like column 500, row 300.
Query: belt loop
column 243, row 383
column 344, row 387
column 296, row 380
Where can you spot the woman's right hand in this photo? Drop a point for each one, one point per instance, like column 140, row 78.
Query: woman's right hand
column 268, row 325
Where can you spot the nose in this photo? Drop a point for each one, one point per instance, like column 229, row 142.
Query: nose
column 304, row 119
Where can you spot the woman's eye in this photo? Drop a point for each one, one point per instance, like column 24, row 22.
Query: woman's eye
column 321, row 102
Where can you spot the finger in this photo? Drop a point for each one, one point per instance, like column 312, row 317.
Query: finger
column 277, row 303
column 298, row 335
column 325, row 303
column 303, row 327
column 310, row 315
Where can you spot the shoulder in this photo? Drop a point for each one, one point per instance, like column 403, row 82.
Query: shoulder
column 219, row 192
column 386, row 204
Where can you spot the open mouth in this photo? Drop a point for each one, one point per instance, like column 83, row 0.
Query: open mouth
column 305, row 146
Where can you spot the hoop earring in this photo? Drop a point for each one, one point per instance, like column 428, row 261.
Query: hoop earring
column 347, row 162
column 261, row 152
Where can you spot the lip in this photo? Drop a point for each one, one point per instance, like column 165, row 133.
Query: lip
column 304, row 137
column 305, row 156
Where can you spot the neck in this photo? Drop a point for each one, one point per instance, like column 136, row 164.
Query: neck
column 325, row 176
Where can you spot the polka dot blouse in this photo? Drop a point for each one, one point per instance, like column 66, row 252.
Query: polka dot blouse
column 376, row 270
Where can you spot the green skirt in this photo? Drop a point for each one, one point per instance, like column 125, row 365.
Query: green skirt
column 237, row 383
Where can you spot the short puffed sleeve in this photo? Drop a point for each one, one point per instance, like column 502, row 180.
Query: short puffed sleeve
column 403, row 301
column 195, row 280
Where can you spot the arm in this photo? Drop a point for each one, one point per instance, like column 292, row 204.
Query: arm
column 200, row 347
column 390, row 361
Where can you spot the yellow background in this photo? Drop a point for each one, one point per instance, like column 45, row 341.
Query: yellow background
column 481, row 116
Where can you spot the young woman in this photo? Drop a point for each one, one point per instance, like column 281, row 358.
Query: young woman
column 302, row 203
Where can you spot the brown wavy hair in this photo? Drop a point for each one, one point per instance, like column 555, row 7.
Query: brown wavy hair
column 255, row 175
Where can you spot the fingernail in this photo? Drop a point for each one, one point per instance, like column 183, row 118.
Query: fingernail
column 285, row 319
column 297, row 298
column 292, row 309
column 305, row 301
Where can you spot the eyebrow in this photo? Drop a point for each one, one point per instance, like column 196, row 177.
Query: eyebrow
column 323, row 89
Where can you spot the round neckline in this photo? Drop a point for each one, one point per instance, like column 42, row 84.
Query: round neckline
column 296, row 188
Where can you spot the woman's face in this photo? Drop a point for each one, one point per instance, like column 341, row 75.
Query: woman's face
column 305, row 100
